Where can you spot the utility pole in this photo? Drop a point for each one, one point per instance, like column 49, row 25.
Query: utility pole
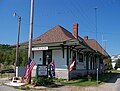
column 96, row 26
column 18, row 38
column 103, row 44
column 31, row 33
column 96, row 41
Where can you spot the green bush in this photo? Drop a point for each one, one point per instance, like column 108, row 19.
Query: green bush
column 27, row 88
column 43, row 81
column 24, row 88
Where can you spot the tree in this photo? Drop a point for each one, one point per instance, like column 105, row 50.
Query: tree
column 1, row 57
column 23, row 57
column 7, row 56
column 117, row 65
column 108, row 63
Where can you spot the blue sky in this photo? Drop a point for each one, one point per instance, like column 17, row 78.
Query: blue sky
column 49, row 13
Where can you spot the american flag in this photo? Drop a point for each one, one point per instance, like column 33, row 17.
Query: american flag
column 29, row 68
column 72, row 66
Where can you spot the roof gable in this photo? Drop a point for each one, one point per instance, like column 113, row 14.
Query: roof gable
column 56, row 34
column 96, row 46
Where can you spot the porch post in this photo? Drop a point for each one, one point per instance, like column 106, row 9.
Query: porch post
column 67, row 53
column 63, row 50
column 87, row 57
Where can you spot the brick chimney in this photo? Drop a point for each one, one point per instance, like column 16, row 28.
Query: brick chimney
column 75, row 30
column 85, row 37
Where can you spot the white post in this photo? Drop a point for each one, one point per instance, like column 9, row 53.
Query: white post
column 31, row 33
column 97, row 76
column 31, row 29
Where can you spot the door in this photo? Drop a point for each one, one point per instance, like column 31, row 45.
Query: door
column 47, row 57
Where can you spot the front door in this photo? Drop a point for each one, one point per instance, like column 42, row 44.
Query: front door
column 47, row 57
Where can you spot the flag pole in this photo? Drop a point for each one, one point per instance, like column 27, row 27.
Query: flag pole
column 31, row 33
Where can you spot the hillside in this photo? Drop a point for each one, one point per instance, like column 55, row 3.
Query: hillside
column 7, row 56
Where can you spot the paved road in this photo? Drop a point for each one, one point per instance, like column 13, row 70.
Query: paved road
column 112, row 85
column 7, row 88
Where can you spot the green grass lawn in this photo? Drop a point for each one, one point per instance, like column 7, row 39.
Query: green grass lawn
column 77, row 82
column 80, row 82
column 115, row 71
column 84, row 81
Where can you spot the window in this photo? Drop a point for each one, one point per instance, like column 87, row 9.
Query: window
column 80, row 57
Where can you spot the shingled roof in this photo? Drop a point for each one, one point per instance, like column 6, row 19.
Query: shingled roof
column 95, row 46
column 60, row 34
column 56, row 34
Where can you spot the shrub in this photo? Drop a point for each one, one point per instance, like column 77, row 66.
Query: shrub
column 25, row 88
column 43, row 81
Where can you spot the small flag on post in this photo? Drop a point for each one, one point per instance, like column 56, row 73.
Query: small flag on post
column 29, row 68
column 71, row 66
column 53, row 68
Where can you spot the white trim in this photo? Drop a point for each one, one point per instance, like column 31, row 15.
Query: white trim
column 40, row 48
column 60, row 69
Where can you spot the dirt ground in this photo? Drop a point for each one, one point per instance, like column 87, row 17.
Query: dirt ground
column 65, row 88
column 112, row 85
